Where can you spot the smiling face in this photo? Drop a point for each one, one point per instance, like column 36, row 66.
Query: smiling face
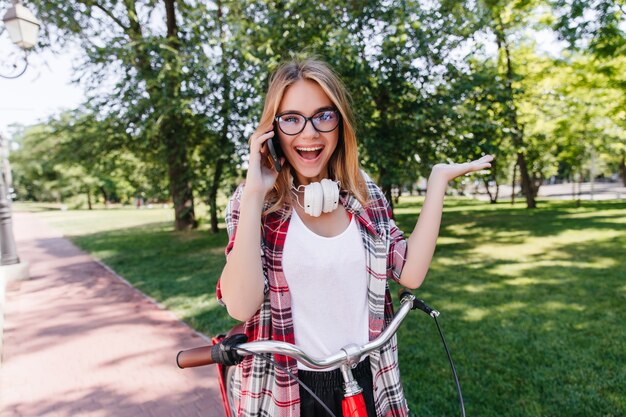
column 309, row 151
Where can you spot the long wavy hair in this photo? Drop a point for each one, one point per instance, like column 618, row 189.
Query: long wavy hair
column 343, row 165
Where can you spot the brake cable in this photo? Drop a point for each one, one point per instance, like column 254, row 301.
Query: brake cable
column 291, row 374
column 421, row 305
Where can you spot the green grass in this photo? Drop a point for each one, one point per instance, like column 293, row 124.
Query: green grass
column 532, row 301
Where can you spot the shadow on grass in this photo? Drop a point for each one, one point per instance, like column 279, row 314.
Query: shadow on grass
column 483, row 222
column 534, row 333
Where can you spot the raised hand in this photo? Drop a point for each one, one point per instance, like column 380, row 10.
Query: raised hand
column 448, row 172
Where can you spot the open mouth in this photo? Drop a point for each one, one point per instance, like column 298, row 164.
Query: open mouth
column 309, row 152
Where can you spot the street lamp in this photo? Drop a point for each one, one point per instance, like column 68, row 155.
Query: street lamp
column 23, row 28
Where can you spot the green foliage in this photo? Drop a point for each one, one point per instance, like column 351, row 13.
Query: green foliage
column 39, row 173
column 67, row 156
column 173, row 98
column 599, row 130
column 594, row 25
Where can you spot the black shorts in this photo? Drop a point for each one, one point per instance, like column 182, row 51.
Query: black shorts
column 329, row 387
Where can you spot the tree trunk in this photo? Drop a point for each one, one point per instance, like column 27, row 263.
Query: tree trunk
column 622, row 168
column 212, row 201
column 105, row 196
column 513, row 183
column 182, row 197
column 517, row 135
column 527, row 183
column 493, row 199
column 578, row 194
column 89, row 199
column 223, row 141
column 171, row 133
column 486, row 184
column 179, row 175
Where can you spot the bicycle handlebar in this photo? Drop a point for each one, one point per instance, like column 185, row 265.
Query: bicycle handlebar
column 350, row 354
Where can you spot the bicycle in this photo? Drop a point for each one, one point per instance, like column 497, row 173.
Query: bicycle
column 228, row 350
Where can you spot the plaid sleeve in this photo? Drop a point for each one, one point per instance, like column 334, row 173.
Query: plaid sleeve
column 232, row 220
column 396, row 243
column 396, row 255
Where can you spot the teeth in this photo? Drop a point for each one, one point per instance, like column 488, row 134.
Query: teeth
column 309, row 149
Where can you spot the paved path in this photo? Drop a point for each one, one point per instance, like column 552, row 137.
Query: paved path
column 79, row 341
column 584, row 191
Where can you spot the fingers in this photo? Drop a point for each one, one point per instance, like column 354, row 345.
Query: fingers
column 258, row 142
column 480, row 164
column 258, row 148
column 483, row 161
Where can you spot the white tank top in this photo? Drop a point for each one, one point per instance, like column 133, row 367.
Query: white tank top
column 328, row 285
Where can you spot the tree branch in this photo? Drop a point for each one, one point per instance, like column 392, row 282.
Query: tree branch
column 110, row 14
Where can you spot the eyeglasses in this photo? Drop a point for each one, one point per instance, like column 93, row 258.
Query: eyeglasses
column 293, row 123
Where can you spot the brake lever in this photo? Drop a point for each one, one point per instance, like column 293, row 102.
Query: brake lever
column 418, row 303
column 225, row 352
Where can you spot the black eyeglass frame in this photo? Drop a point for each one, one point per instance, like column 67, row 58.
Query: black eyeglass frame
column 308, row 119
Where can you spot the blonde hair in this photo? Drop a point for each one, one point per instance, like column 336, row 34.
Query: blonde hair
column 343, row 165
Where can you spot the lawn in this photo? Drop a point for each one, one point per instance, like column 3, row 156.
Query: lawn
column 532, row 301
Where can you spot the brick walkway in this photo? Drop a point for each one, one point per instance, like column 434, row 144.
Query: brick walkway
column 78, row 341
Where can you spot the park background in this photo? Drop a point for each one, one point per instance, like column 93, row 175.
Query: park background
column 532, row 289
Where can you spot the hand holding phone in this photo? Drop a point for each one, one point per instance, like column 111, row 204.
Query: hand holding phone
column 276, row 152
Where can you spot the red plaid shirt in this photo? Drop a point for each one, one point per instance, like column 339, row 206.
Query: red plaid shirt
column 263, row 390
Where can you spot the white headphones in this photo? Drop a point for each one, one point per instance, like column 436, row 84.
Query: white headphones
column 319, row 196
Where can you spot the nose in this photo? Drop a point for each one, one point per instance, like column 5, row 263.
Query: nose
column 309, row 130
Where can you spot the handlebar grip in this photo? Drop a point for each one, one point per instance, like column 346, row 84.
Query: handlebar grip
column 194, row 357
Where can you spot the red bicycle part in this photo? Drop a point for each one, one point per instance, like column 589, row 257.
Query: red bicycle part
column 354, row 406
column 220, row 372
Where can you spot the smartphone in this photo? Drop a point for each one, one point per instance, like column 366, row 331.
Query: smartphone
column 276, row 151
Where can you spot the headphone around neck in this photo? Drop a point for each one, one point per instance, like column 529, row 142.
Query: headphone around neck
column 319, row 197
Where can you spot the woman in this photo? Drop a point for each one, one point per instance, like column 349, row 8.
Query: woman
column 315, row 275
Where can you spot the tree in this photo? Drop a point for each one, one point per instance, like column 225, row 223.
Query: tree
column 64, row 157
column 503, row 17
column 154, row 56
column 590, row 122
column 596, row 25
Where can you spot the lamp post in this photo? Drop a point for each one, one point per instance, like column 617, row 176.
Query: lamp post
column 23, row 28
column 7, row 241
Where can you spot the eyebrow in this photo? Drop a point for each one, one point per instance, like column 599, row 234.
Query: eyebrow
column 314, row 112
